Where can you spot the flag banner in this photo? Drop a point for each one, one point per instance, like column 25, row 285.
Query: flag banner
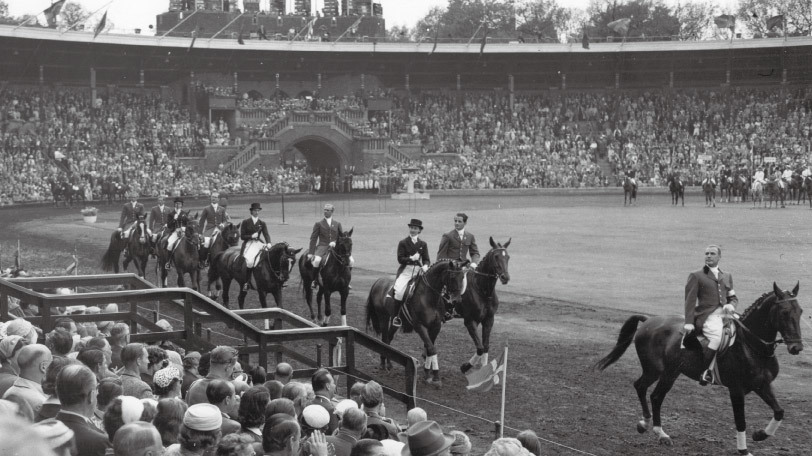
column 620, row 26
column 72, row 267
column 585, row 40
column 192, row 44
column 436, row 38
column 483, row 379
column 775, row 21
column 100, row 26
column 52, row 11
column 484, row 40
column 725, row 21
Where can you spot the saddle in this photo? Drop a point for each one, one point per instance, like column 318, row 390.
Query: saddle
column 389, row 302
column 700, row 342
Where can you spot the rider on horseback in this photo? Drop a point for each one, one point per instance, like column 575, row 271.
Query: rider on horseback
column 631, row 174
column 456, row 245
column 709, row 296
column 129, row 215
column 175, row 224
column 157, row 218
column 325, row 233
column 413, row 255
column 213, row 219
column 250, row 231
column 759, row 177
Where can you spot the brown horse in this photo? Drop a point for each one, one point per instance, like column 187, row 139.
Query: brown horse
column 479, row 303
column 422, row 312
column 336, row 274
column 629, row 191
column 677, row 189
column 749, row 364
column 139, row 245
column 186, row 255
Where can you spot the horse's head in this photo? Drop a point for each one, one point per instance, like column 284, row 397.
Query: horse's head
column 785, row 316
column 191, row 227
column 453, row 280
column 230, row 234
column 496, row 261
column 343, row 246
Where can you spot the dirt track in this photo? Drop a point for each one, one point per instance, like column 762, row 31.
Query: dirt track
column 580, row 265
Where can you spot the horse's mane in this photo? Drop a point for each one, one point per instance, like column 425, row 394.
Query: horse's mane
column 276, row 246
column 440, row 262
column 756, row 305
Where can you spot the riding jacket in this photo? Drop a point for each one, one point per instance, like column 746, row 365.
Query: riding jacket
column 158, row 217
column 705, row 293
column 454, row 248
column 407, row 248
column 130, row 213
column 323, row 234
column 212, row 218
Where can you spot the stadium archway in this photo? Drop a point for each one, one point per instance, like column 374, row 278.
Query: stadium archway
column 319, row 152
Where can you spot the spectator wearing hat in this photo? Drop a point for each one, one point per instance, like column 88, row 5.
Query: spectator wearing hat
column 413, row 256
column 283, row 373
column 24, row 328
column 135, row 359
column 250, row 231
column 138, row 439
column 221, row 365
column 392, row 447
column 76, row 389
column 222, row 394
column 200, row 431
column 314, row 418
column 213, row 219
column 324, row 387
column 168, row 418
column 175, row 224
column 59, row 438
column 426, row 438
column 166, row 383
column 324, row 236
column 507, row 446
column 461, row 445
column 119, row 338
column 157, row 360
column 372, row 400
column 33, row 362
column 10, row 347
column 352, row 427
column 122, row 410
column 190, row 374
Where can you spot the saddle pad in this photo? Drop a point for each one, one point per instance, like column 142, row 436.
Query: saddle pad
column 252, row 251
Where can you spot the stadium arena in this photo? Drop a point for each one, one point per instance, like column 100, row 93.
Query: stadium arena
column 531, row 141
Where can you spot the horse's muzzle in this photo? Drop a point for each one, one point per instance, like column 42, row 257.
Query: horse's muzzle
column 795, row 348
column 505, row 278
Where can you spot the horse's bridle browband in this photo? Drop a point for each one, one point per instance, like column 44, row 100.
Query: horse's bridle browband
column 426, row 282
column 339, row 257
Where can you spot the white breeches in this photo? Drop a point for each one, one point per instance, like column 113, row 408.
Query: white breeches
column 173, row 240
column 403, row 280
column 317, row 261
column 252, row 250
column 713, row 328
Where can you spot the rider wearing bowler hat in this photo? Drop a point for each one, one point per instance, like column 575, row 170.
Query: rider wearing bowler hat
column 413, row 255
column 250, row 231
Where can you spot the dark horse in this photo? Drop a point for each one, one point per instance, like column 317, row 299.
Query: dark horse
column 335, row 276
column 138, row 248
column 229, row 237
column 749, row 364
column 109, row 261
column 725, row 188
column 112, row 190
column 185, row 256
column 479, row 302
column 270, row 274
column 677, row 189
column 776, row 191
column 740, row 188
column 709, row 189
column 422, row 312
column 629, row 191
column 797, row 189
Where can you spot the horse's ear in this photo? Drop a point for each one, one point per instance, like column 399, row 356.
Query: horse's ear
column 778, row 291
column 195, row 216
column 493, row 244
column 349, row 233
column 295, row 252
column 506, row 244
column 795, row 290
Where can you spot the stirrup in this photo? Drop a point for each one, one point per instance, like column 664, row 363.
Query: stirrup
column 396, row 322
column 246, row 286
column 706, row 377
column 447, row 317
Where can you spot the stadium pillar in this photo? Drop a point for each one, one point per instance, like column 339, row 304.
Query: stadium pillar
column 42, row 74
column 671, row 79
column 141, row 78
column 563, row 81
column 92, row 85
column 236, row 83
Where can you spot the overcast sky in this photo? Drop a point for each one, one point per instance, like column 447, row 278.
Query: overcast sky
column 131, row 14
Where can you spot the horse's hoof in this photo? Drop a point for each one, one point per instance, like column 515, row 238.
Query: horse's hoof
column 760, row 435
column 642, row 428
column 465, row 367
column 665, row 441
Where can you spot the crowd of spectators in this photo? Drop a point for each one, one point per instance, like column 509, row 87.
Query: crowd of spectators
column 471, row 140
column 86, row 389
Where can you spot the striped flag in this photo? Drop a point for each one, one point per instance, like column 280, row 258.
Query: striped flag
column 72, row 267
column 484, row 378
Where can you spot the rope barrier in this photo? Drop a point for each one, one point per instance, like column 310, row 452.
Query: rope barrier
column 181, row 321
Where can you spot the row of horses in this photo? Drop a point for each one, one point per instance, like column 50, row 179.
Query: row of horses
column 736, row 188
column 71, row 191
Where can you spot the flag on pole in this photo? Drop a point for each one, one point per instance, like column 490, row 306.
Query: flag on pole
column 52, row 12
column 102, row 23
column 775, row 21
column 192, row 44
column 484, row 39
column 620, row 26
column 725, row 21
column 483, row 379
column 436, row 38
column 72, row 267
column 585, row 40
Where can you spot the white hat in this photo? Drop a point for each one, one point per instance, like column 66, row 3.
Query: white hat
column 203, row 417
column 316, row 416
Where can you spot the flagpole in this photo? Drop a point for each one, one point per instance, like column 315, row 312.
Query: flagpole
column 19, row 264
column 86, row 17
column 504, row 387
column 179, row 23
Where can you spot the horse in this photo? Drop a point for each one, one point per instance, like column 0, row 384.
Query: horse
column 749, row 364
column 479, row 302
column 138, row 248
column 629, row 191
column 185, row 257
column 677, row 189
column 757, row 193
column 56, row 191
column 725, row 188
column 796, row 188
column 335, row 276
column 709, row 189
column 808, row 189
column 113, row 190
column 109, row 261
column 228, row 237
column 776, row 190
column 270, row 273
column 422, row 312
column 739, row 188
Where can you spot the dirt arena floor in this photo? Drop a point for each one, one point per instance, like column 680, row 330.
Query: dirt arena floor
column 580, row 265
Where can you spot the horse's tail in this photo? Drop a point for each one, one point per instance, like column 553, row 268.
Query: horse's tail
column 371, row 314
column 624, row 339
column 109, row 260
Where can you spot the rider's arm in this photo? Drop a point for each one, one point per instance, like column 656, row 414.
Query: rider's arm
column 123, row 219
column 424, row 254
column 691, row 292
column 244, row 234
column 265, row 234
column 314, row 238
column 403, row 256
column 731, row 293
column 473, row 250
column 441, row 252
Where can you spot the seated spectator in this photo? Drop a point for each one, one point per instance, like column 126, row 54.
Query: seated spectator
column 221, row 364
column 109, row 388
column 355, row 392
column 257, row 375
column 280, row 405
column 119, row 338
column 222, row 394
column 314, row 418
column 367, row 447
column 60, row 342
column 426, row 438
column 200, row 432
column 166, row 383
column 138, row 439
column 190, row 374
column 169, row 419
column 75, row 387
column 51, row 405
column 157, row 360
column 353, row 424
column 297, row 393
column 95, row 360
column 530, row 441
column 462, row 444
column 33, row 362
column 235, row 445
column 274, row 388
column 135, row 360
column 372, row 400
column 251, row 413
column 415, row 415
column 57, row 436
column 281, row 436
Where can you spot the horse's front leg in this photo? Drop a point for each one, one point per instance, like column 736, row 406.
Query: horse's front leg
column 737, row 401
column 262, row 299
column 328, row 311
column 431, row 365
column 766, row 394
column 344, row 293
column 241, row 296
column 475, row 360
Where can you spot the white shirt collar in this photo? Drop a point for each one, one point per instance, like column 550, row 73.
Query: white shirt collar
column 414, row 238
column 461, row 233
column 715, row 271
column 329, row 220
column 255, row 219
column 214, row 205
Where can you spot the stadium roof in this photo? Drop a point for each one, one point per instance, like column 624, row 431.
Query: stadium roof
column 69, row 55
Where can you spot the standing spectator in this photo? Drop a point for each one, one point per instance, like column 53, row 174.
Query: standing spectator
column 109, row 389
column 281, row 436
column 190, row 374
column 372, row 400
column 138, row 439
column 119, row 338
column 426, row 438
column 51, row 405
column 157, row 360
column 530, row 441
column 221, row 394
column 283, row 373
column 251, row 413
column 10, row 348
column 76, row 389
column 168, row 420
column 33, row 361
column 235, row 445
column 199, row 433
column 61, row 439
column 324, row 386
column 166, row 383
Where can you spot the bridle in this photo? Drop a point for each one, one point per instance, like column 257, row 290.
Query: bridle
column 448, row 289
column 770, row 346
column 342, row 258
column 282, row 258
column 490, row 258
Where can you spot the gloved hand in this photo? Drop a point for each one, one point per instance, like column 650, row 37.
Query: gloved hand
column 255, row 235
column 472, row 265
column 309, row 256
column 689, row 328
column 332, row 244
column 415, row 257
column 425, row 267
column 729, row 308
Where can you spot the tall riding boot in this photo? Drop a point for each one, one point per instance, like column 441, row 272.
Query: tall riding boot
column 247, row 285
column 707, row 375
